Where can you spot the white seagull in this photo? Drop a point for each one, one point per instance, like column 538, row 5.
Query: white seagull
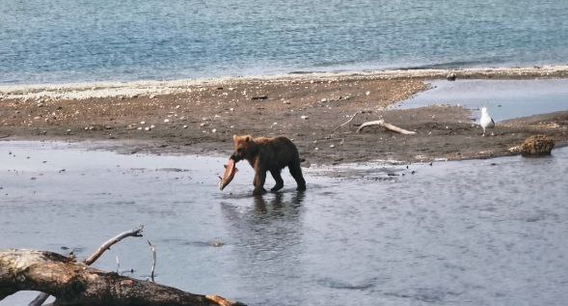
column 486, row 121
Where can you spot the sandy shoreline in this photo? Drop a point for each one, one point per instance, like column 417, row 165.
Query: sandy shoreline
column 136, row 88
column 200, row 116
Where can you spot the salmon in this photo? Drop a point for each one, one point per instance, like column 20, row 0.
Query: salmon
column 229, row 174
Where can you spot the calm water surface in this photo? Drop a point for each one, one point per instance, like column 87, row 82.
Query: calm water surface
column 94, row 40
column 504, row 99
column 482, row 232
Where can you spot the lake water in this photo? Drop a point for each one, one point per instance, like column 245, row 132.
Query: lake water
column 504, row 99
column 478, row 232
column 75, row 41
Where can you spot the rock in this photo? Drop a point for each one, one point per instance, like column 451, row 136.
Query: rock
column 451, row 77
column 537, row 145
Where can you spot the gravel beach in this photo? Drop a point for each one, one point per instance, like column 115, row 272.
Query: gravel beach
column 315, row 110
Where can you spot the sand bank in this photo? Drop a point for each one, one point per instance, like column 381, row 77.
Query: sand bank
column 200, row 116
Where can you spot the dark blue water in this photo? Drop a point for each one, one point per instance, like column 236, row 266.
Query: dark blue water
column 70, row 40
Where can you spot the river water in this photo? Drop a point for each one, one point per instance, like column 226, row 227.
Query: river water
column 479, row 232
column 504, row 99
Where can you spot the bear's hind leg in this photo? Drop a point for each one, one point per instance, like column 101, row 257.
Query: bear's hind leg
column 296, row 172
column 278, row 178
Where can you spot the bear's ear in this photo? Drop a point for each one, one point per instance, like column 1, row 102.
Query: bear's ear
column 235, row 137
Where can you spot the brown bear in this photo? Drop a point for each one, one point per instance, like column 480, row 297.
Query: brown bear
column 269, row 154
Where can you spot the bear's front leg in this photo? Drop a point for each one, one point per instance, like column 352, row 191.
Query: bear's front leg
column 258, row 183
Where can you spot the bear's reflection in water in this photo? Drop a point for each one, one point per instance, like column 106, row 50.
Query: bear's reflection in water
column 277, row 203
column 268, row 235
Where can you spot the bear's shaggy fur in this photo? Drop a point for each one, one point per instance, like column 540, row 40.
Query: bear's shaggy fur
column 269, row 154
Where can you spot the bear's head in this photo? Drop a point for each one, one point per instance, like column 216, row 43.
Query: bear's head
column 245, row 147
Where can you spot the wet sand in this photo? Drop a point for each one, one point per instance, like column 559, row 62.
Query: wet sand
column 200, row 116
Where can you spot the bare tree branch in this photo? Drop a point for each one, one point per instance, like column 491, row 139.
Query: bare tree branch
column 153, row 250
column 136, row 232
column 350, row 119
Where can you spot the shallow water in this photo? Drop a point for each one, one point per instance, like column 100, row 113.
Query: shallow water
column 504, row 99
column 480, row 232
column 76, row 41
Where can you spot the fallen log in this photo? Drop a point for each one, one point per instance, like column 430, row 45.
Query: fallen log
column 136, row 232
column 75, row 283
column 387, row 126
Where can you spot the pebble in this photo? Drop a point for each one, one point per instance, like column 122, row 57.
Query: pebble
column 142, row 122
column 304, row 117
column 332, row 146
column 166, row 120
column 185, row 126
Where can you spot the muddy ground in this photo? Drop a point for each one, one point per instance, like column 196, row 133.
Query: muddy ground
column 202, row 118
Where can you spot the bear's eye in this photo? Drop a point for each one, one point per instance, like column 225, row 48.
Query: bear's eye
column 239, row 150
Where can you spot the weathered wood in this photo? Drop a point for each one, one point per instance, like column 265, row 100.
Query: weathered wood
column 75, row 283
column 153, row 250
column 136, row 232
column 387, row 126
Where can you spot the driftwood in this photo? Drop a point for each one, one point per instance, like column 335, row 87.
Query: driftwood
column 75, row 283
column 136, row 232
column 351, row 119
column 387, row 126
column 153, row 250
